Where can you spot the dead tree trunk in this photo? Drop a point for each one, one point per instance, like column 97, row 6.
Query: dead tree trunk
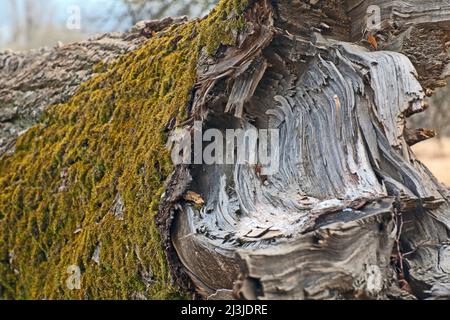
column 33, row 80
column 351, row 213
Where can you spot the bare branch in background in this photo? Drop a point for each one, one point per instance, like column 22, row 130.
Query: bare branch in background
column 37, row 23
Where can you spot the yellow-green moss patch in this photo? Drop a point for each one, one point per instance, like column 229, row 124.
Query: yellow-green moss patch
column 62, row 188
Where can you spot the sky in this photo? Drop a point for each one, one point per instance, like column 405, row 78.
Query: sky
column 95, row 17
column 57, row 11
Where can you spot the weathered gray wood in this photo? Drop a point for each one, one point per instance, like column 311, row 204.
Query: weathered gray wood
column 340, row 218
column 351, row 213
column 419, row 29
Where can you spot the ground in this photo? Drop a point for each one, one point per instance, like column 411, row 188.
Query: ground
column 435, row 154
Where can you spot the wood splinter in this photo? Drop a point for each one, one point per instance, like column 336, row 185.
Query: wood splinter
column 414, row 136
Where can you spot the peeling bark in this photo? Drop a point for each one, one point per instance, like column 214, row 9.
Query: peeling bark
column 418, row 29
column 341, row 218
column 32, row 80
column 351, row 214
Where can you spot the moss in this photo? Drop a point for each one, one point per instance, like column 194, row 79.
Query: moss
column 58, row 190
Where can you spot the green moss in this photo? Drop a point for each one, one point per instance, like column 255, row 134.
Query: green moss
column 58, row 190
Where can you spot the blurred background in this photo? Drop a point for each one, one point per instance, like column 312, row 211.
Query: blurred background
column 435, row 153
column 27, row 24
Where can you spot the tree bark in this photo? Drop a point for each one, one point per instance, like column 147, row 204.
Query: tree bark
column 351, row 213
column 32, row 80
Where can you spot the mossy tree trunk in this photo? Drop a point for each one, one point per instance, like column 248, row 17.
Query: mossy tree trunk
column 32, row 80
column 350, row 214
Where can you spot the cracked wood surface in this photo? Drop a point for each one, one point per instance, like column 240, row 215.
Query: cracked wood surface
column 340, row 219
column 352, row 214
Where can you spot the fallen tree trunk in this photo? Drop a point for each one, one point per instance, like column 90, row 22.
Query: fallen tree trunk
column 30, row 81
column 350, row 213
